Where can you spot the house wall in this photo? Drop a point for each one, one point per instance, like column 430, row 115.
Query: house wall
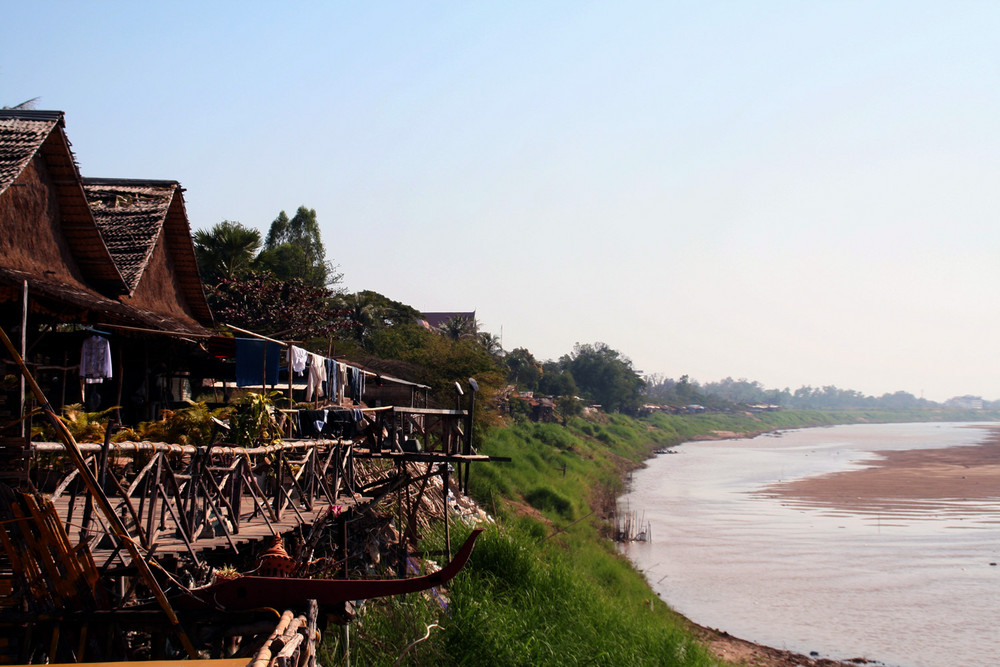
column 158, row 289
column 31, row 238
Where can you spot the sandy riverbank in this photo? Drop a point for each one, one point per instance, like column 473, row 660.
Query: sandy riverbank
column 903, row 481
column 897, row 482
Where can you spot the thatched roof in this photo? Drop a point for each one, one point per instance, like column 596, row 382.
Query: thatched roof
column 133, row 215
column 130, row 217
column 71, row 303
column 86, row 260
column 20, row 139
column 28, row 134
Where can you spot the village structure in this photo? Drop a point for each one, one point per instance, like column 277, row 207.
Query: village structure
column 241, row 543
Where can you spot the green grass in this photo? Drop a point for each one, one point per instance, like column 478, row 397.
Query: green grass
column 545, row 586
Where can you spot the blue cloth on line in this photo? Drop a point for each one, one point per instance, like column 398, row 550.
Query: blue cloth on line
column 256, row 360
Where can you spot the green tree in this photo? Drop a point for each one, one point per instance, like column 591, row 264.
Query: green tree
column 369, row 312
column 225, row 251
column 281, row 308
column 556, row 380
column 293, row 250
column 606, row 376
column 523, row 369
column 458, row 328
column 490, row 343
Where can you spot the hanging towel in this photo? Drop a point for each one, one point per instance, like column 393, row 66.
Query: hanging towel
column 340, row 423
column 254, row 359
column 297, row 359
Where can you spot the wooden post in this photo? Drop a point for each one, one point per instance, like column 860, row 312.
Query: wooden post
column 468, row 433
column 347, row 644
column 313, row 630
column 447, row 524
column 25, row 432
column 291, row 401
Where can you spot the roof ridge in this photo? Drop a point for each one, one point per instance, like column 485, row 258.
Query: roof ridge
column 32, row 114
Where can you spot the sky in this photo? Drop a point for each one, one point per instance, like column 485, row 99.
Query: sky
column 797, row 193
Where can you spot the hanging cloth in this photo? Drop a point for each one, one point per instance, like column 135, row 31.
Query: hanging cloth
column 95, row 359
column 354, row 376
column 256, row 360
column 297, row 359
column 317, row 376
column 330, row 386
column 312, row 422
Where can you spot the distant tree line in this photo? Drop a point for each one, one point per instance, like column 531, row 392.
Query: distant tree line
column 732, row 393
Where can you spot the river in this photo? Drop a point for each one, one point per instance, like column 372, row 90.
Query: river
column 914, row 586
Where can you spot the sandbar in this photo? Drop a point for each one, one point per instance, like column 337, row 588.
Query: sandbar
column 906, row 481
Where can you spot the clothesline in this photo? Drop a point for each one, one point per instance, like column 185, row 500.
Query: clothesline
column 176, row 334
column 261, row 336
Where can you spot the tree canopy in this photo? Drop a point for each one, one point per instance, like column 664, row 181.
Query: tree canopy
column 281, row 308
column 293, row 250
column 605, row 376
column 225, row 251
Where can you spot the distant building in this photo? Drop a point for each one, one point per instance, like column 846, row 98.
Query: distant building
column 966, row 402
column 435, row 320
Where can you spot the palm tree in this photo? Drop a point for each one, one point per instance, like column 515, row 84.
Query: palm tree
column 490, row 343
column 27, row 104
column 458, row 328
column 225, row 251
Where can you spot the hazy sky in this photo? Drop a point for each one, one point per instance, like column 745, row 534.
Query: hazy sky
column 790, row 192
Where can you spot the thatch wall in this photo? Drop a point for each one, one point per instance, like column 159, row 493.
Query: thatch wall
column 31, row 238
column 145, row 227
column 158, row 289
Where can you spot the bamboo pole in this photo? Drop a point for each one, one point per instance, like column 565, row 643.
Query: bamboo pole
column 116, row 523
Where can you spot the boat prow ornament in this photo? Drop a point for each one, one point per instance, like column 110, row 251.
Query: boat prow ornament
column 253, row 591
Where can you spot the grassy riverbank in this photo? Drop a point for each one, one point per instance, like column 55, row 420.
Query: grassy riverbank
column 546, row 585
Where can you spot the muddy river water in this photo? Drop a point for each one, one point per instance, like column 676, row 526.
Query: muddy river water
column 913, row 582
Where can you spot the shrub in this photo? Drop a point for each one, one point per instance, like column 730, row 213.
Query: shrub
column 547, row 499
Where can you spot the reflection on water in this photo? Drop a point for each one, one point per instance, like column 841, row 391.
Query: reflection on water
column 911, row 586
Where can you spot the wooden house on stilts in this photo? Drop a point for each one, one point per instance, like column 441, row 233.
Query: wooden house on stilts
column 93, row 258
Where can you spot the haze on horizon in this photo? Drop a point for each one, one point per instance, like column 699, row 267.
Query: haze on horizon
column 798, row 193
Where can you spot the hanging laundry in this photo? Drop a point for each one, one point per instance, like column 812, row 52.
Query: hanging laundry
column 257, row 362
column 317, row 375
column 356, row 384
column 312, row 422
column 331, row 386
column 95, row 359
column 297, row 358
column 341, row 423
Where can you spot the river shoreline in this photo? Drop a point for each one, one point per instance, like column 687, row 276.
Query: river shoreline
column 894, row 482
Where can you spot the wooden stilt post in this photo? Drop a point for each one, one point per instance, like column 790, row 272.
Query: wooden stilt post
column 25, row 430
column 447, row 524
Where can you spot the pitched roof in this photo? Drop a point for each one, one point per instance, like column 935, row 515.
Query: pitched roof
column 132, row 215
column 20, row 139
column 72, row 303
column 25, row 134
